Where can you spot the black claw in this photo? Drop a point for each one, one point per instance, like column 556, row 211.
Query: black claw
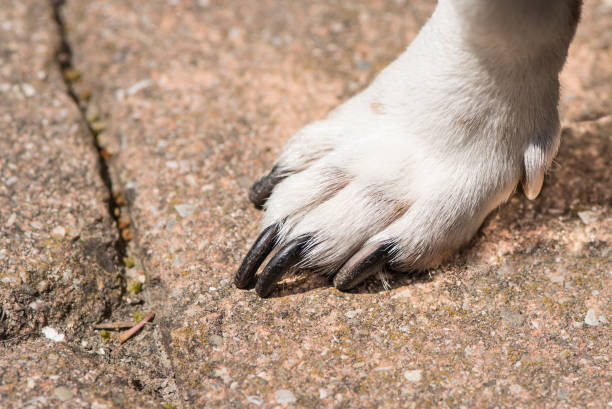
column 285, row 259
column 262, row 189
column 245, row 276
column 354, row 273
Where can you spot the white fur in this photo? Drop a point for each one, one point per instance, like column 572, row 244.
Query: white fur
column 439, row 139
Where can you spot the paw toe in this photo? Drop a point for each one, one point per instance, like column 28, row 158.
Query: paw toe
column 262, row 189
column 365, row 263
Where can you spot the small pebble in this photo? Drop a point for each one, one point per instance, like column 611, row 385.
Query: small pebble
column 63, row 393
column 53, row 334
column 593, row 320
column 244, row 182
column 516, row 389
column 284, row 396
column 184, row 210
column 556, row 277
column 255, row 400
column 36, row 305
column 512, row 317
column 215, row 340
column 588, row 217
column 413, row 376
column 58, row 232
column 28, row 90
column 43, row 286
column 10, row 280
column 134, row 300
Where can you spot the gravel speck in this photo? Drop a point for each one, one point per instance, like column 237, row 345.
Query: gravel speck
column 58, row 232
column 511, row 317
column 184, row 210
column 255, row 400
column 10, row 220
column 284, row 396
column 383, row 368
column 140, row 85
column 53, row 334
column 516, row 389
column 593, row 319
column 216, row 340
column 588, row 217
column 43, row 286
column 28, row 90
column 63, row 393
column 413, row 376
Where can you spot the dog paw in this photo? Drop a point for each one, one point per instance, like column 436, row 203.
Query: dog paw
column 349, row 199
column 404, row 173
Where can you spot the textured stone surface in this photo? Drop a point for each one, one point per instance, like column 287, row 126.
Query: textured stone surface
column 59, row 268
column 57, row 257
column 44, row 374
column 198, row 96
column 587, row 94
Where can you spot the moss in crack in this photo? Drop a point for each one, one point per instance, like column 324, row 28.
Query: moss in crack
column 71, row 75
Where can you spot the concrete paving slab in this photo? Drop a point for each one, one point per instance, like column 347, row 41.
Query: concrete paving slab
column 57, row 255
column 44, row 374
column 198, row 96
column 587, row 75
column 60, row 267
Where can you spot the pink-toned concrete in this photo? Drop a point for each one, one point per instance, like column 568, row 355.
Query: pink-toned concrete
column 198, row 96
column 59, row 270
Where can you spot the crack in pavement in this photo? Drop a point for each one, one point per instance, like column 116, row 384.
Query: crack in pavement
column 64, row 60
column 116, row 207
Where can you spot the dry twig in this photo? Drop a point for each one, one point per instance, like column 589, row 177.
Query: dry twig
column 116, row 325
column 124, row 336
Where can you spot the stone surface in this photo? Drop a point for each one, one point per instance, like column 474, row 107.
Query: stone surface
column 587, row 94
column 198, row 98
column 57, row 254
column 193, row 99
column 43, row 374
column 59, row 267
